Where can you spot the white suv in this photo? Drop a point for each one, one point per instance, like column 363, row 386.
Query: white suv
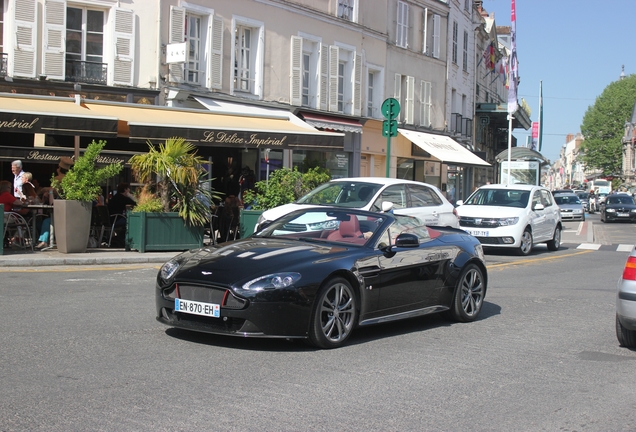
column 411, row 198
column 512, row 216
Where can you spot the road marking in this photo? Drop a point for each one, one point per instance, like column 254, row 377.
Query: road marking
column 535, row 260
column 589, row 246
column 624, row 248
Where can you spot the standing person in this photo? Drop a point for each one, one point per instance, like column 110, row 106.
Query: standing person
column 16, row 169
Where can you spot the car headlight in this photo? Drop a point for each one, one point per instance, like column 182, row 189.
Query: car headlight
column 633, row 210
column 508, row 221
column 610, row 210
column 169, row 269
column 326, row 225
column 272, row 281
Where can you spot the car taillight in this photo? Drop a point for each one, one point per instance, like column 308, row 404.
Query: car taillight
column 630, row 269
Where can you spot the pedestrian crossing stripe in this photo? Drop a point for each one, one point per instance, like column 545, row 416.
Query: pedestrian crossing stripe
column 597, row 246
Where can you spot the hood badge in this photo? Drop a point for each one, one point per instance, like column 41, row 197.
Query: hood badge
column 207, row 273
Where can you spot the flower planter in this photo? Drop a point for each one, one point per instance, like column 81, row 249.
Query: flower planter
column 72, row 223
column 161, row 232
column 248, row 220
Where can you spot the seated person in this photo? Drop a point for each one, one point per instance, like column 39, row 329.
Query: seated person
column 7, row 198
column 117, row 204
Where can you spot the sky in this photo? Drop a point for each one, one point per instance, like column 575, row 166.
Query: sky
column 577, row 48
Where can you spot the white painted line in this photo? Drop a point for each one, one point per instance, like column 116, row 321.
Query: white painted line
column 589, row 246
column 624, row 248
column 578, row 231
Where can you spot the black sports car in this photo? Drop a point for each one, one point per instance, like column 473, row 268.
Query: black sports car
column 318, row 273
column 618, row 207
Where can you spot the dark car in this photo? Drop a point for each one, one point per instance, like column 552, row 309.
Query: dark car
column 318, row 273
column 618, row 207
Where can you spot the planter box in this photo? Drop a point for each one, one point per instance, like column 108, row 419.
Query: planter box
column 248, row 221
column 161, row 232
column 72, row 224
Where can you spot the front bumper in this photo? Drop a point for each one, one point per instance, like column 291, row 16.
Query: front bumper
column 500, row 237
column 255, row 319
column 612, row 216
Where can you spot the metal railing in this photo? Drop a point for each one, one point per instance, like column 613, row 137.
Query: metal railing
column 86, row 71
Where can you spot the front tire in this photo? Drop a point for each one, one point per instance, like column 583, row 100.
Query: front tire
column 626, row 338
column 469, row 294
column 526, row 243
column 334, row 314
column 553, row 245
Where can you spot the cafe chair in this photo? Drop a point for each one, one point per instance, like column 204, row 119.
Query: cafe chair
column 109, row 227
column 17, row 231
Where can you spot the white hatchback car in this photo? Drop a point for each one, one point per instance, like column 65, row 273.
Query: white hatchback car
column 411, row 198
column 512, row 216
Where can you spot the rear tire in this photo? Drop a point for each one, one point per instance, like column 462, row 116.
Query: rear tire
column 626, row 338
column 334, row 314
column 553, row 245
column 526, row 243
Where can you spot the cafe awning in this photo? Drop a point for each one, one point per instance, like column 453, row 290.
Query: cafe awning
column 332, row 123
column 53, row 116
column 444, row 148
column 141, row 123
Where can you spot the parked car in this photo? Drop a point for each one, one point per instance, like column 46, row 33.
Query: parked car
column 626, row 304
column 570, row 206
column 350, row 268
column 421, row 200
column 512, row 217
column 618, row 207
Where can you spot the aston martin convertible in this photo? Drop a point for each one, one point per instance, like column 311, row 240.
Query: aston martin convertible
column 319, row 273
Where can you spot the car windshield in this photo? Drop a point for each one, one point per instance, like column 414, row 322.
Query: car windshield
column 348, row 194
column 620, row 199
column 316, row 225
column 567, row 199
column 499, row 197
column 583, row 195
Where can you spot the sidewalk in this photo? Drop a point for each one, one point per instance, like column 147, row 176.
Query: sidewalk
column 98, row 256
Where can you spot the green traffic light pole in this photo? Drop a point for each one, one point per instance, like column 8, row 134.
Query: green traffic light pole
column 390, row 110
column 388, row 155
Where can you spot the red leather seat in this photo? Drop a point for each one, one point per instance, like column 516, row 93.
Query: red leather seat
column 348, row 230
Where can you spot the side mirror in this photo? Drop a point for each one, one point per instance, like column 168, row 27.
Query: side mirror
column 387, row 206
column 458, row 203
column 407, row 240
column 538, row 207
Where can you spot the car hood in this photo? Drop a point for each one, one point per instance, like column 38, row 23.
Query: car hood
column 489, row 211
column 242, row 260
column 280, row 211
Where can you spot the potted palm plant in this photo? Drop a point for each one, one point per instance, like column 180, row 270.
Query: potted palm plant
column 78, row 189
column 174, row 171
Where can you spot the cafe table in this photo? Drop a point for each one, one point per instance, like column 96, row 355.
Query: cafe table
column 34, row 219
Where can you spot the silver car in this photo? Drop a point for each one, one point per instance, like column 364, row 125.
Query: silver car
column 626, row 304
column 570, row 206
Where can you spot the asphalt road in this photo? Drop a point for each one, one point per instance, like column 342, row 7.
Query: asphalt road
column 81, row 351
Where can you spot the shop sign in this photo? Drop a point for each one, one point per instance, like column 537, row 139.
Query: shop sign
column 252, row 140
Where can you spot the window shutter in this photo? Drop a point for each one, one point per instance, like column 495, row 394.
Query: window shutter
column 425, row 32
column 397, row 87
column 357, row 85
column 177, row 35
column 25, row 38
column 296, row 71
column 333, row 78
column 54, row 39
column 436, row 35
column 425, row 103
column 215, row 77
column 124, row 61
column 323, row 93
column 410, row 100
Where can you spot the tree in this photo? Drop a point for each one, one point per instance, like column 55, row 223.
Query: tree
column 604, row 125
column 283, row 187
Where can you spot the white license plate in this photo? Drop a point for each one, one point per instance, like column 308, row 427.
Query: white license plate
column 197, row 308
column 478, row 233
column 622, row 214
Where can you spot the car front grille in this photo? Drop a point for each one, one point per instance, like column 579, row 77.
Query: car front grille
column 478, row 222
column 490, row 240
column 294, row 227
column 211, row 295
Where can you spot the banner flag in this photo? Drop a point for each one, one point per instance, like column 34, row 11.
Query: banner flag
column 535, row 135
column 540, row 115
column 513, row 105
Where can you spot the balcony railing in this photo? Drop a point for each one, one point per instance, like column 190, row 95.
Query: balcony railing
column 86, row 71
column 3, row 64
